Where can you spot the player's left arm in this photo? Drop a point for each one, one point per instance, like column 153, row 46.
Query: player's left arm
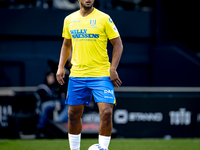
column 117, row 52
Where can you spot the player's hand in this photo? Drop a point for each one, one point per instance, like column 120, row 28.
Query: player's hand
column 115, row 78
column 60, row 75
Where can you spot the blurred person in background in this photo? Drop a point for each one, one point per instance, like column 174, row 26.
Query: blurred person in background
column 51, row 103
column 66, row 4
column 45, row 4
column 20, row 4
column 134, row 5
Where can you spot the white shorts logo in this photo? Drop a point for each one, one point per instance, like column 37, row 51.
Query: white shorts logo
column 108, row 91
column 108, row 97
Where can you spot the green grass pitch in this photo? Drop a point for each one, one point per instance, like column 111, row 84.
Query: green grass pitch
column 116, row 144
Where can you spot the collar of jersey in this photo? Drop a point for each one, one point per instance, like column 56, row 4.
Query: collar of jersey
column 89, row 14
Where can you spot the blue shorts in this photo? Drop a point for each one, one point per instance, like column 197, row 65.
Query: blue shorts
column 81, row 89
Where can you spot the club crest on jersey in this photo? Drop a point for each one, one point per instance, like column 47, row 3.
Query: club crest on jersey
column 92, row 22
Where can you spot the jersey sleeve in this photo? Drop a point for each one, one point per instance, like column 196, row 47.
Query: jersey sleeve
column 66, row 34
column 111, row 29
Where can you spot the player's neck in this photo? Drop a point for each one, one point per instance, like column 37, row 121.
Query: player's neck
column 85, row 12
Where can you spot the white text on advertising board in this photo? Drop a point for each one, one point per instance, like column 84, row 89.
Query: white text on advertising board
column 122, row 116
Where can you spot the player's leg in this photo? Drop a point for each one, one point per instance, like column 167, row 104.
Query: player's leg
column 105, row 126
column 103, row 92
column 105, row 113
column 75, row 125
column 74, row 119
column 78, row 95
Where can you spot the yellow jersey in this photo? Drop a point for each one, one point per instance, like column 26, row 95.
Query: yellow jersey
column 89, row 37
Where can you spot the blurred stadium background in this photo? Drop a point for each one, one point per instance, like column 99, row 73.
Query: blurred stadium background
column 159, row 68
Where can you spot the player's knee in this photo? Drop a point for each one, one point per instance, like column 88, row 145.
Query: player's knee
column 106, row 114
column 72, row 115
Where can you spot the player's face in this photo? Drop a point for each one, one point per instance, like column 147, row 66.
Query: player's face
column 86, row 4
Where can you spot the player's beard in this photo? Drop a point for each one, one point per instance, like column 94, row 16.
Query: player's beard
column 87, row 7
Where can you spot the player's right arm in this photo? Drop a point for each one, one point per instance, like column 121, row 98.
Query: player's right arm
column 64, row 55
